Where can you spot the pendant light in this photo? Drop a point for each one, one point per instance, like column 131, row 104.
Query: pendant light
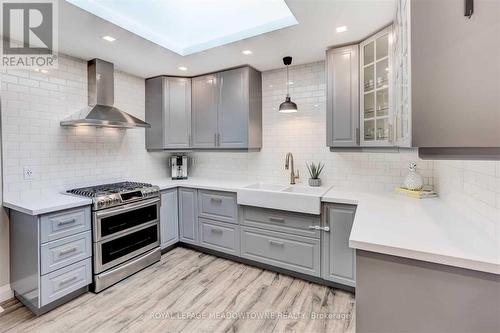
column 287, row 106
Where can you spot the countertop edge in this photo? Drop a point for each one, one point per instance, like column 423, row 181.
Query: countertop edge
column 471, row 264
column 45, row 210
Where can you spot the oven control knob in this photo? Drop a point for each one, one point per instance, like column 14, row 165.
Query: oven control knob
column 100, row 203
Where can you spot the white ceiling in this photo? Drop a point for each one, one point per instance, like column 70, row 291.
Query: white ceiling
column 187, row 26
column 80, row 35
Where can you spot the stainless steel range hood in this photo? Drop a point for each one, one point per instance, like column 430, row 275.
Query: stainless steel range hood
column 101, row 112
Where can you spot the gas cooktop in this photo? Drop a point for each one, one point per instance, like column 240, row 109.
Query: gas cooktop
column 115, row 194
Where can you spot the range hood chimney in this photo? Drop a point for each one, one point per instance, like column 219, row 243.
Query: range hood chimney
column 101, row 95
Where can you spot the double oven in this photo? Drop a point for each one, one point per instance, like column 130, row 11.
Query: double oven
column 126, row 231
column 121, row 234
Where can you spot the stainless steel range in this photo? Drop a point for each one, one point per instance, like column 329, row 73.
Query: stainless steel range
column 126, row 229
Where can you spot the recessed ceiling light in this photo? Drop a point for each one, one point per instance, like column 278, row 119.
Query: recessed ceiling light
column 341, row 28
column 182, row 68
column 246, row 52
column 108, row 38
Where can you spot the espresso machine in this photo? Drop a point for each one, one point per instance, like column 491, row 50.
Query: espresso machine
column 179, row 165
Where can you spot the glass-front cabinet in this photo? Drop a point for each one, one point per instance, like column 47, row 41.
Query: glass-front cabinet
column 375, row 90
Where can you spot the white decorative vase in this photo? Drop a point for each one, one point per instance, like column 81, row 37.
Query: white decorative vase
column 413, row 180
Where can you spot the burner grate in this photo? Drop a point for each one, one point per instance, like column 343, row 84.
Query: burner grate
column 95, row 191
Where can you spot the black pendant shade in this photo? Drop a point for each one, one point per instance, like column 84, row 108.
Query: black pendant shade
column 287, row 106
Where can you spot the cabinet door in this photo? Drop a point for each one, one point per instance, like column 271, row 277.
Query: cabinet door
column 188, row 215
column 169, row 218
column 339, row 260
column 233, row 108
column 376, row 114
column 177, row 113
column 343, row 97
column 204, row 111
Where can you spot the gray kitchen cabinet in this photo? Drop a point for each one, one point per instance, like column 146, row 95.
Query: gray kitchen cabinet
column 455, row 76
column 168, row 110
column 376, row 107
column 216, row 205
column 51, row 257
column 169, row 218
column 227, row 110
column 188, row 215
column 281, row 221
column 292, row 252
column 205, row 98
column 342, row 116
column 220, row 236
column 338, row 259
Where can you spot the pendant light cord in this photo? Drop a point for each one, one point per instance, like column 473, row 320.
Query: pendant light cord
column 287, row 83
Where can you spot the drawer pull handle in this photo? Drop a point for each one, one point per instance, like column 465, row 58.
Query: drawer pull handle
column 61, row 223
column 217, row 200
column 67, row 280
column 68, row 250
column 275, row 243
column 216, row 231
column 317, row 227
column 277, row 219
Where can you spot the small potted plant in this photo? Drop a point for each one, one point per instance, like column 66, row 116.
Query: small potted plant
column 314, row 172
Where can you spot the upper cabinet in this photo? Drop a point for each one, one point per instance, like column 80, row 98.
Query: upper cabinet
column 455, row 75
column 343, row 98
column 216, row 111
column 359, row 90
column 376, row 117
column 227, row 110
column 168, row 110
column 204, row 117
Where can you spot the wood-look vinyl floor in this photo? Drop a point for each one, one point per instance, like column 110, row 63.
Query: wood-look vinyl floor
column 189, row 291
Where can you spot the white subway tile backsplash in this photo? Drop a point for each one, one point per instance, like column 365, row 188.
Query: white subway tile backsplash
column 33, row 104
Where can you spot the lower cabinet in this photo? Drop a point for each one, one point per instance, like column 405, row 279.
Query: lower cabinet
column 51, row 257
column 338, row 259
column 169, row 218
column 220, row 236
column 313, row 245
column 188, row 216
column 292, row 252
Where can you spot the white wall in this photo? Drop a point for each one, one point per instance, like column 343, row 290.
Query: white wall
column 304, row 134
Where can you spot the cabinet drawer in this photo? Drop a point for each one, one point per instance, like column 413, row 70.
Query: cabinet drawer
column 65, row 280
column 279, row 220
column 63, row 224
column 295, row 253
column 65, row 251
column 218, row 205
column 219, row 236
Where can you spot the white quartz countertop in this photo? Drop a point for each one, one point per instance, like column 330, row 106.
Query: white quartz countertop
column 202, row 183
column 42, row 204
column 423, row 229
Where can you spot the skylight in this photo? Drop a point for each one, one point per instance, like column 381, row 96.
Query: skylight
column 190, row 26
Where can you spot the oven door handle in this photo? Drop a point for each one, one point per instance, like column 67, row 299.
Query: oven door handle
column 126, row 208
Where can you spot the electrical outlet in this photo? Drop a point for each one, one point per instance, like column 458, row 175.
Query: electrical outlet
column 28, row 173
